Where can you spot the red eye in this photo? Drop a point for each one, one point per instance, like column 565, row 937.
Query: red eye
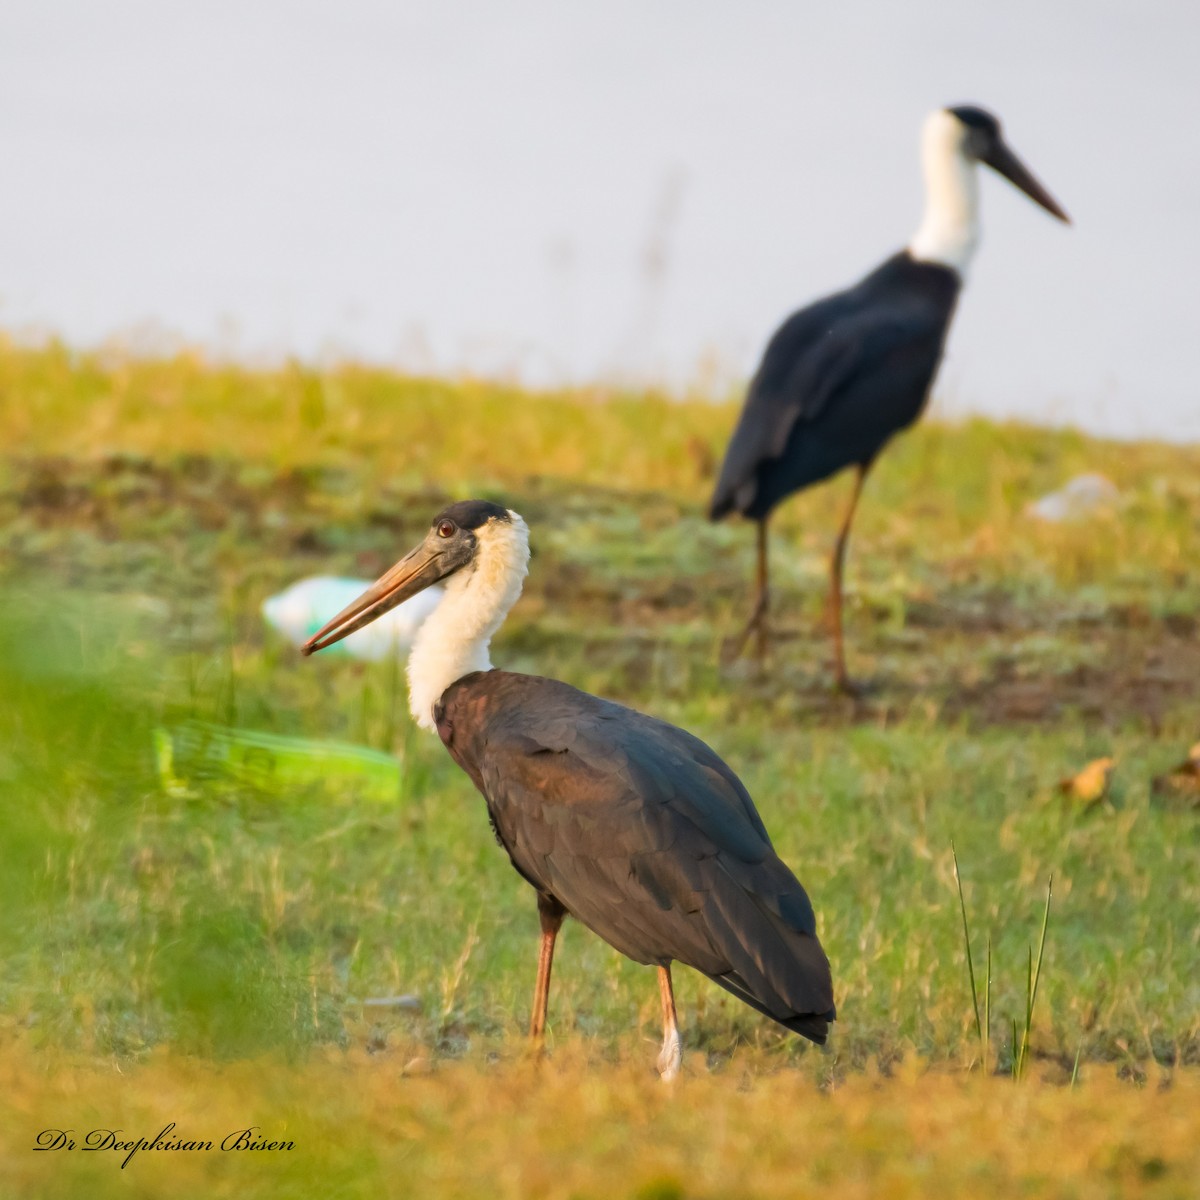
column 446, row 529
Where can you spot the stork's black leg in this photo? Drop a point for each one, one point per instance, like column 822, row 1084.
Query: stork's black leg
column 551, row 914
column 671, row 1054
column 844, row 682
column 758, row 618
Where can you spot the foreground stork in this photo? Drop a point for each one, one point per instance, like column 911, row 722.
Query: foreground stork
column 841, row 377
column 630, row 825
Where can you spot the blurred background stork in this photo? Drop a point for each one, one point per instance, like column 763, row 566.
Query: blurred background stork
column 846, row 373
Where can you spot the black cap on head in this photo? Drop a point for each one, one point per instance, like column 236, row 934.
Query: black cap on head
column 974, row 117
column 471, row 514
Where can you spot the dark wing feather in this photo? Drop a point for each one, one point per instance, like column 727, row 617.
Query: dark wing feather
column 647, row 837
column 800, row 369
column 844, row 345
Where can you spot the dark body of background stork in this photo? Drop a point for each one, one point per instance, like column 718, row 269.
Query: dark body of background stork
column 633, row 826
column 844, row 375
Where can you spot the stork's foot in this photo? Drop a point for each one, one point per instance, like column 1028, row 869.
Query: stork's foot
column 757, row 628
column 536, row 1053
column 855, row 689
column 671, row 1054
column 670, row 1057
column 846, row 686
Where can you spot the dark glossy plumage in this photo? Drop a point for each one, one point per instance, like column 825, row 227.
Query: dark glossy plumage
column 838, row 380
column 643, row 834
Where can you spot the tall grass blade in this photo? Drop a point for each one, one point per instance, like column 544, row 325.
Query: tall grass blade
column 987, row 1008
column 1037, row 973
column 1032, row 978
column 962, row 904
column 1028, row 1012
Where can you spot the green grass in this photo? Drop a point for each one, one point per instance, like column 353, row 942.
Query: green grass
column 146, row 509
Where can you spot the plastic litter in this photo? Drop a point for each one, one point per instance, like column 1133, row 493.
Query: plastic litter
column 300, row 610
column 196, row 752
column 1079, row 497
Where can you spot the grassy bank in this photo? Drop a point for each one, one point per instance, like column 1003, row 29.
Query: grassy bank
column 163, row 933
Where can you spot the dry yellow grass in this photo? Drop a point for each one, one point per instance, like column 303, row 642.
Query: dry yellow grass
column 57, row 401
column 576, row 1126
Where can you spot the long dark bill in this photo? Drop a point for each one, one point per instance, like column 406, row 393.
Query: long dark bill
column 416, row 571
column 1002, row 159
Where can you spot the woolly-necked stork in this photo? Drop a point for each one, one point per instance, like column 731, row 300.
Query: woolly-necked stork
column 841, row 377
column 632, row 826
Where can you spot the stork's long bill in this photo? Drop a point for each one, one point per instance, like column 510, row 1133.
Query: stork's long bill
column 416, row 571
column 1002, row 159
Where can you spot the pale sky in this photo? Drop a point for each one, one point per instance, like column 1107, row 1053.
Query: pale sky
column 465, row 185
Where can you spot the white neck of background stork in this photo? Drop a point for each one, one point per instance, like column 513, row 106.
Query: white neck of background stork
column 949, row 230
column 454, row 640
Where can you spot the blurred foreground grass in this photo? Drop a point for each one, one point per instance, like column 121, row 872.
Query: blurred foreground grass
column 363, row 1127
column 146, row 509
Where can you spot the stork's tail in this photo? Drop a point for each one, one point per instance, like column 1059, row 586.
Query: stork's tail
column 768, row 938
column 719, row 506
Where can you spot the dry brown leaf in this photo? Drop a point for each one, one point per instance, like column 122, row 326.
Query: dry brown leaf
column 1181, row 783
column 1090, row 785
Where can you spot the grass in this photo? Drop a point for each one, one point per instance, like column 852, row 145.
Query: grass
column 205, row 951
column 579, row 1127
column 983, row 1023
column 1032, row 978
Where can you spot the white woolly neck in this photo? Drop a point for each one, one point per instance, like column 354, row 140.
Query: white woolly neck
column 949, row 230
column 455, row 638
